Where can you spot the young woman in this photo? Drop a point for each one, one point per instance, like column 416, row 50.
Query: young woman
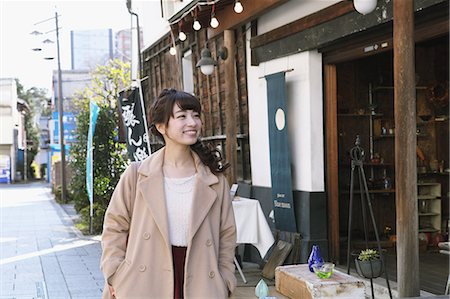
column 169, row 230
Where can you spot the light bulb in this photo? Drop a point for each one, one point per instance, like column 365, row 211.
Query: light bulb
column 214, row 22
column 196, row 25
column 207, row 69
column 182, row 36
column 364, row 6
column 172, row 51
column 238, row 8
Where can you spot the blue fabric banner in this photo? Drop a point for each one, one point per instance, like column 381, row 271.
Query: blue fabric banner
column 94, row 109
column 280, row 158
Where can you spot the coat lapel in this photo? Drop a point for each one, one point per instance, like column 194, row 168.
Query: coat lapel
column 151, row 186
column 204, row 196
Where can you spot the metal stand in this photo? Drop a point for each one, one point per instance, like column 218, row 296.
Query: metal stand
column 357, row 156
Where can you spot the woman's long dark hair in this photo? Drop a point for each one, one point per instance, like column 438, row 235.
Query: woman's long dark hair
column 162, row 110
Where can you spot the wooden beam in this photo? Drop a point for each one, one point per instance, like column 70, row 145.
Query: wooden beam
column 382, row 40
column 230, row 99
column 309, row 21
column 405, row 150
column 332, row 151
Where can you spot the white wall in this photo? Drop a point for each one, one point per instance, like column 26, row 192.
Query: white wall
column 9, row 116
column 154, row 26
column 9, row 120
column 304, row 104
column 291, row 11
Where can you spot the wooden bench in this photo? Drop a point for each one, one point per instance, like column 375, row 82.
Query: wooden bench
column 296, row 281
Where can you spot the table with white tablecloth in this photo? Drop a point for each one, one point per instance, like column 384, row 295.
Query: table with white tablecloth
column 252, row 227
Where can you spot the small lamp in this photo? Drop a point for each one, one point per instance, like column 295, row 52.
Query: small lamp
column 214, row 22
column 206, row 63
column 181, row 35
column 197, row 26
column 238, row 8
column 364, row 7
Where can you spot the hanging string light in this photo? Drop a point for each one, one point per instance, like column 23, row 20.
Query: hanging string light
column 181, row 35
column 238, row 8
column 196, row 25
column 172, row 51
column 214, row 22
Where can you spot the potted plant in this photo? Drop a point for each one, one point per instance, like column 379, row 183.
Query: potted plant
column 368, row 263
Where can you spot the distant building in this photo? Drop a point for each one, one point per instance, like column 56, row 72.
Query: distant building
column 90, row 48
column 12, row 131
column 123, row 45
column 73, row 81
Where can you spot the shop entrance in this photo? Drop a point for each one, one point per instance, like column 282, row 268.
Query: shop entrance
column 360, row 101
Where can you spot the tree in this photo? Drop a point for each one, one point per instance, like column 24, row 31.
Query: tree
column 37, row 100
column 110, row 157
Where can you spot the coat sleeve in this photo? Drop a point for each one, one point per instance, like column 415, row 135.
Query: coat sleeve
column 117, row 223
column 227, row 238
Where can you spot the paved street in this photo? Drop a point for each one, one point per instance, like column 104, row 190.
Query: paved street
column 41, row 255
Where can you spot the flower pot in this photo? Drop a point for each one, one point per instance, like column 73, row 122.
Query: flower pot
column 369, row 269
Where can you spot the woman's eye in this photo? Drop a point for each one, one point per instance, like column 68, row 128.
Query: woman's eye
column 181, row 116
column 196, row 115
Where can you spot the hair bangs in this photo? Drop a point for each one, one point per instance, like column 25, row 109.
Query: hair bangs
column 187, row 101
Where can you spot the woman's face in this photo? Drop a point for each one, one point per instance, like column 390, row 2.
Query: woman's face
column 183, row 128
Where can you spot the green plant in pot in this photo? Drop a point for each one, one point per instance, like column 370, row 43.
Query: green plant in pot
column 368, row 263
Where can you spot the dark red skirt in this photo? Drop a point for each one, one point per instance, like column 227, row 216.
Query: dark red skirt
column 179, row 256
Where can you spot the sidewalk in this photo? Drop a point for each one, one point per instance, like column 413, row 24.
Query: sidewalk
column 42, row 254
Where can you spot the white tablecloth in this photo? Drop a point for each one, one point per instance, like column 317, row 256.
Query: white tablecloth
column 251, row 225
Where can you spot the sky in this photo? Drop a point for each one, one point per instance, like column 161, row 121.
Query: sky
column 18, row 19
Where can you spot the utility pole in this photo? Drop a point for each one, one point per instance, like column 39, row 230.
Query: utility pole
column 60, row 102
column 60, row 117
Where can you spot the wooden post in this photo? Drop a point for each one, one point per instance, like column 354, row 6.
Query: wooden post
column 332, row 160
column 230, row 100
column 405, row 150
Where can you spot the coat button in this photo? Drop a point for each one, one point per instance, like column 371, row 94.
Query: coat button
column 211, row 274
column 146, row 236
column 208, row 242
column 142, row 268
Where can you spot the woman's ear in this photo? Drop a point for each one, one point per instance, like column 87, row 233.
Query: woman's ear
column 161, row 128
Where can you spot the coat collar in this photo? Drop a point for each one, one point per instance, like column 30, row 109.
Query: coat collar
column 151, row 186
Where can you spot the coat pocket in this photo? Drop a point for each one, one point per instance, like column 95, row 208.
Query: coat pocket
column 119, row 274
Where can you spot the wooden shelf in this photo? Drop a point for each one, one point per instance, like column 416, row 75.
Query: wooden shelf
column 376, row 191
column 429, row 214
column 427, row 197
column 433, row 173
column 393, row 135
column 361, row 115
column 369, row 164
column 392, row 88
column 428, row 230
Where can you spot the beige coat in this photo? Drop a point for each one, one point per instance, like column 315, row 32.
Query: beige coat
column 137, row 254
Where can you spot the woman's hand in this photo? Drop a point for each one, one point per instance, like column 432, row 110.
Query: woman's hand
column 112, row 291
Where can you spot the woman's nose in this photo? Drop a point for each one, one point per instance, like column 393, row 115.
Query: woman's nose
column 191, row 120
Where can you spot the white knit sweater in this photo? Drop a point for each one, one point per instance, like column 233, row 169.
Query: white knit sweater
column 178, row 193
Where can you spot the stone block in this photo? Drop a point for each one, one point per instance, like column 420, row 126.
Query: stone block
column 296, row 281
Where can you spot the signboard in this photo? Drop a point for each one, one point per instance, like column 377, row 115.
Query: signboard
column 5, row 169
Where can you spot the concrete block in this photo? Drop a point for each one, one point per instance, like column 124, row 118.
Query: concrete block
column 296, row 281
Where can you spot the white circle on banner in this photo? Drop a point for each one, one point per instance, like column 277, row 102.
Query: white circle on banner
column 280, row 120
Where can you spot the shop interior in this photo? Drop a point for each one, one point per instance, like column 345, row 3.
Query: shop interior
column 365, row 99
